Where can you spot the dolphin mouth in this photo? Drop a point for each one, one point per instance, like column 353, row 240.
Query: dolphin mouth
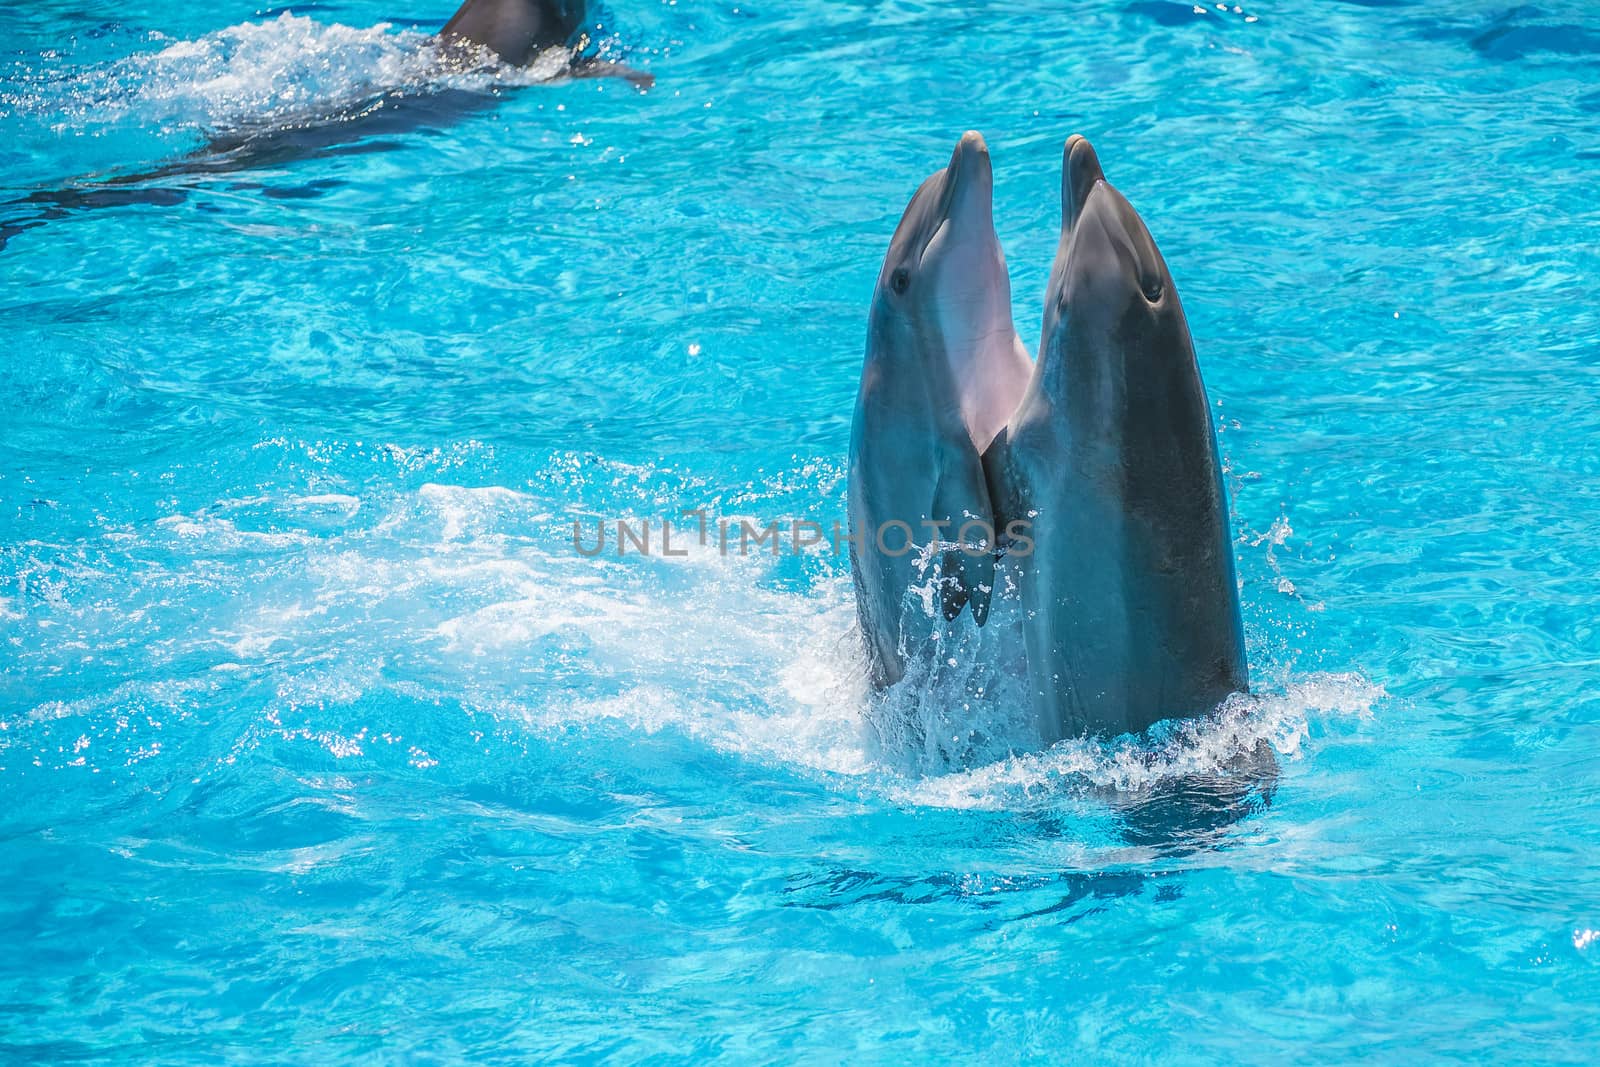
column 1081, row 175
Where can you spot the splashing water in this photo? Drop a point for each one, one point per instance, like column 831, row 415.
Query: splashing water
column 319, row 735
column 480, row 591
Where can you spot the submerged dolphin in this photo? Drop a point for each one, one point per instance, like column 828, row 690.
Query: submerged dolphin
column 1131, row 607
column 943, row 370
column 515, row 31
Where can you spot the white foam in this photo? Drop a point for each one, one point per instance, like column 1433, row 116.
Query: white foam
column 1127, row 765
column 466, row 511
column 222, row 534
column 344, row 505
column 544, row 611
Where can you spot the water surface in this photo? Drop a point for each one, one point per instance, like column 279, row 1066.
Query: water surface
column 319, row 740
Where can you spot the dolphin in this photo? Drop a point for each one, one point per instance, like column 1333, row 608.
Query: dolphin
column 515, row 31
column 943, row 370
column 1130, row 604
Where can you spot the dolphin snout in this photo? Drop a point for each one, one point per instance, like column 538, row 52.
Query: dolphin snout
column 971, row 159
column 1080, row 173
column 972, row 141
column 970, row 180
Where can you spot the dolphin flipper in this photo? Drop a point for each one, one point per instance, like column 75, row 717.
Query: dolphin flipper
column 605, row 68
column 962, row 497
column 997, row 479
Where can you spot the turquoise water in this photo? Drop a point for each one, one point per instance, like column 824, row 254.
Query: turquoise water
column 319, row 741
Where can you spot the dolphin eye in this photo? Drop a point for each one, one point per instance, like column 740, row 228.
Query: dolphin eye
column 1153, row 290
column 900, row 281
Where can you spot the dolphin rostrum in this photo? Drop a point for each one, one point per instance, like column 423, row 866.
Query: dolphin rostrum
column 1130, row 604
column 943, row 371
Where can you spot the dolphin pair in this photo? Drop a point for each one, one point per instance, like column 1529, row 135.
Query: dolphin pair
column 1099, row 459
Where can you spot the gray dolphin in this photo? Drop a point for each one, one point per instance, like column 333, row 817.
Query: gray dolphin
column 1131, row 607
column 516, row 31
column 519, row 30
column 943, row 371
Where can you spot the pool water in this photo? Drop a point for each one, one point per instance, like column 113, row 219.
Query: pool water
column 321, row 741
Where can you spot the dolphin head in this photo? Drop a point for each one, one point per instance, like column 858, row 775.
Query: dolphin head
column 943, row 299
column 1114, row 332
column 516, row 30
